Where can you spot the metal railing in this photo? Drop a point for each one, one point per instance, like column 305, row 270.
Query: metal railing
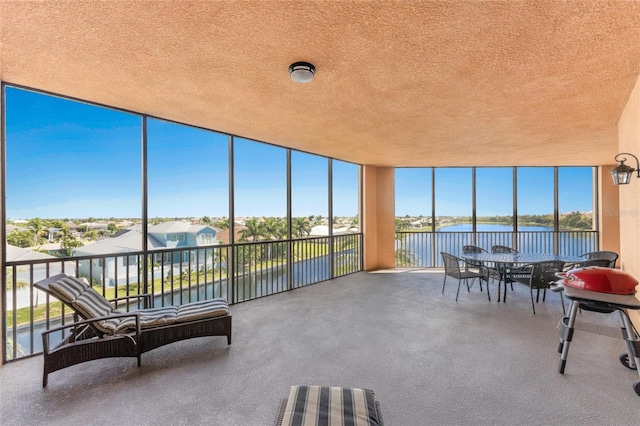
column 236, row 272
column 422, row 249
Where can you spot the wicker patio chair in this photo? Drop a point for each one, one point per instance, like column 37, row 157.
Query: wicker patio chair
column 502, row 249
column 511, row 273
column 542, row 277
column 101, row 331
column 469, row 249
column 476, row 266
column 455, row 267
column 611, row 256
column 603, row 263
column 473, row 249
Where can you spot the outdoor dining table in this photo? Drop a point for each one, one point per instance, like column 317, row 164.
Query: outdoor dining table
column 505, row 262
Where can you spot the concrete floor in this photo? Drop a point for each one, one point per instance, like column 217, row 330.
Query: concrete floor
column 430, row 361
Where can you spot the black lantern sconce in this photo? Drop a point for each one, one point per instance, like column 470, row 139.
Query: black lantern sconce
column 622, row 173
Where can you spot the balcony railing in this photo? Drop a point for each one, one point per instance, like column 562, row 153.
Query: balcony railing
column 237, row 272
column 422, row 249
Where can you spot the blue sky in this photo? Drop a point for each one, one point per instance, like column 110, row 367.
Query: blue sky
column 494, row 191
column 67, row 159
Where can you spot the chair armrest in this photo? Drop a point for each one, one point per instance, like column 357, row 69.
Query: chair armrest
column 75, row 324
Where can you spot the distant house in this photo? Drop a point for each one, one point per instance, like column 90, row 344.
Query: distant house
column 323, row 231
column 25, row 274
column 116, row 266
column 53, row 249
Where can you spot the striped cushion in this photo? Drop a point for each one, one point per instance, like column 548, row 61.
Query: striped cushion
column 68, row 289
column 110, row 325
column 92, row 304
column 149, row 318
column 171, row 314
column 203, row 309
column 323, row 406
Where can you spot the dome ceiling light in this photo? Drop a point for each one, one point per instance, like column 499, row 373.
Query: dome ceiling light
column 302, row 72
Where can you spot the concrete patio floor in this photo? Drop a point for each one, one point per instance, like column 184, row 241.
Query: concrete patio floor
column 429, row 359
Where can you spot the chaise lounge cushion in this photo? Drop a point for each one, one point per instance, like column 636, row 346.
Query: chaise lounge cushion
column 68, row 289
column 202, row 309
column 151, row 317
column 92, row 304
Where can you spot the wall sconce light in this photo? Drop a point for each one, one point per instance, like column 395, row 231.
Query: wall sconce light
column 622, row 173
column 302, row 72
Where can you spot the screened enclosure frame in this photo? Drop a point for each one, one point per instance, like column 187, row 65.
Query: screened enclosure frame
column 145, row 255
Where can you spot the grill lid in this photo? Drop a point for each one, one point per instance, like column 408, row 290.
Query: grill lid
column 601, row 280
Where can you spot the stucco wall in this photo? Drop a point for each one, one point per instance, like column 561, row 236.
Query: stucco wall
column 609, row 211
column 629, row 141
column 379, row 217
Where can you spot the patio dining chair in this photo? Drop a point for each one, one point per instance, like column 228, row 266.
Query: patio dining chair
column 611, row 256
column 473, row 249
column 603, row 263
column 542, row 277
column 513, row 273
column 470, row 249
column 502, row 249
column 455, row 267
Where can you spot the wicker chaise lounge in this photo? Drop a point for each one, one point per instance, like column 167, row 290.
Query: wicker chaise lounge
column 100, row 330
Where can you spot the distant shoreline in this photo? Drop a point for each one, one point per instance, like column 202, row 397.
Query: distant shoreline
column 439, row 227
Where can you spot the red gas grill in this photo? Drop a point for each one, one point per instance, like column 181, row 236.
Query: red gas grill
column 600, row 280
column 603, row 290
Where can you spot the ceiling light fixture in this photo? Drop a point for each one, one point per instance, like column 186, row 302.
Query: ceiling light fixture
column 302, row 72
column 622, row 173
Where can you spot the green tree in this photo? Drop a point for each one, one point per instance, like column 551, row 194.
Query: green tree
column 222, row 223
column 38, row 227
column 402, row 224
column 252, row 231
column 353, row 223
column 20, row 238
column 300, row 227
column 274, row 228
column 57, row 223
column 67, row 241
column 90, row 235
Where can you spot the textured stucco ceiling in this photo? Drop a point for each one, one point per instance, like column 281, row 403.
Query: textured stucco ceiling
column 398, row 83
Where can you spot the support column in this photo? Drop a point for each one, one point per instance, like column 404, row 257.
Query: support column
column 378, row 225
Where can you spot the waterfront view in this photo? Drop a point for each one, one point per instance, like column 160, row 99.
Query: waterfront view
column 422, row 248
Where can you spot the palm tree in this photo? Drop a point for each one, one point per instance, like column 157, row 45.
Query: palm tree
column 38, row 227
column 300, row 226
column 253, row 230
column 274, row 228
